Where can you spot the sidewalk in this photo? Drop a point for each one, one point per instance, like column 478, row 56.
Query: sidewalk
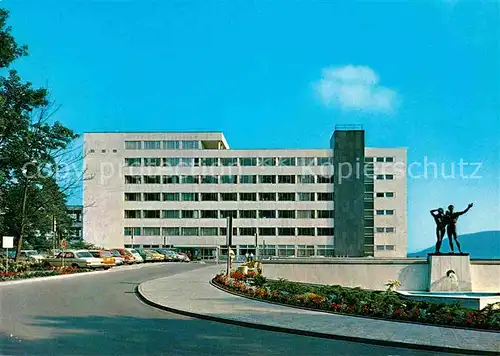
column 191, row 294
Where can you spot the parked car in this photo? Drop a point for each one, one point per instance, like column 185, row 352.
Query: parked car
column 137, row 256
column 119, row 260
column 31, row 255
column 157, row 256
column 107, row 258
column 184, row 257
column 74, row 258
column 127, row 256
column 146, row 255
column 170, row 255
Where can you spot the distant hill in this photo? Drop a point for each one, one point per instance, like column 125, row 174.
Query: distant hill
column 484, row 244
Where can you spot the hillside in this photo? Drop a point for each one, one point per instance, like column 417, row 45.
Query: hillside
column 484, row 244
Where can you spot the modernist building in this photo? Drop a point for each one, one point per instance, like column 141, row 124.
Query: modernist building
column 75, row 212
column 177, row 189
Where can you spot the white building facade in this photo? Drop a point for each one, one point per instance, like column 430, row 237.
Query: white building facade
column 177, row 189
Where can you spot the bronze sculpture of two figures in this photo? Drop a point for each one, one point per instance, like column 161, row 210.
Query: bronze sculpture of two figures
column 447, row 222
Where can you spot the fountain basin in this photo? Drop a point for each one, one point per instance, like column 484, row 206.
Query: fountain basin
column 471, row 300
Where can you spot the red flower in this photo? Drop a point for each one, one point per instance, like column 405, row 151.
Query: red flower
column 469, row 320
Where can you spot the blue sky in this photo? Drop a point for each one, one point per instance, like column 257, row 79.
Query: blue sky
column 281, row 74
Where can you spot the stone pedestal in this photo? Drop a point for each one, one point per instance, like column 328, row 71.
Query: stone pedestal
column 449, row 273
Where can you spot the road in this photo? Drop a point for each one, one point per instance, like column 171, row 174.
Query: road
column 101, row 315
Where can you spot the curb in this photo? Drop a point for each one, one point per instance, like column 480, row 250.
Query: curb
column 378, row 342
column 49, row 278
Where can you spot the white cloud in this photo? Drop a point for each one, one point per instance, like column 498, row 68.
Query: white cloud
column 355, row 88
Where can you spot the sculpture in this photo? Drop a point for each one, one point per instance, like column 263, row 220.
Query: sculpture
column 439, row 218
column 451, row 218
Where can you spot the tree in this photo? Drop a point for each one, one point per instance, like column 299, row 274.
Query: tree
column 32, row 151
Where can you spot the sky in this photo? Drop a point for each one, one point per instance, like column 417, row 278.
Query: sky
column 424, row 75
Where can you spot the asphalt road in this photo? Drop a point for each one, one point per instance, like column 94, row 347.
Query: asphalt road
column 101, row 315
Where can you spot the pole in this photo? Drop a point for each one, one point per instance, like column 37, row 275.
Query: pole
column 228, row 243
column 7, row 261
column 164, row 241
column 132, row 238
column 256, row 246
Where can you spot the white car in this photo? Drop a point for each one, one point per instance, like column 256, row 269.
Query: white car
column 138, row 258
column 74, row 258
column 31, row 255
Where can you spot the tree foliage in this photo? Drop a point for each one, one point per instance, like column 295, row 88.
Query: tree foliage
column 33, row 149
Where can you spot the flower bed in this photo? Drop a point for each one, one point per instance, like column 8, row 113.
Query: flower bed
column 19, row 271
column 356, row 301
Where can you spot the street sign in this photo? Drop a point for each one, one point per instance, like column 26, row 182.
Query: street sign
column 63, row 244
column 8, row 242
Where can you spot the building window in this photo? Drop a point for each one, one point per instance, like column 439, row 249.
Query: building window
column 325, row 179
column 188, row 162
column 223, row 231
column 380, row 159
column 380, row 195
column 152, row 179
column 368, row 159
column 305, row 161
column 286, row 231
column 132, row 179
column 267, row 231
column 171, row 162
column 380, row 212
column 286, row 214
column 389, row 229
column 248, row 162
column 380, row 247
column 209, row 196
column 325, row 196
column 286, row 250
column 248, row 231
column 325, row 161
column 151, row 231
column 389, row 247
column 152, row 145
column 286, row 179
column 228, row 196
column 305, row 231
column 389, row 194
column 132, row 162
column 306, row 196
column 229, row 179
column 305, row 214
column 132, row 214
column 171, row 214
column 171, row 197
column 189, row 214
column 151, row 214
column 248, row 179
column 91, row 150
column 286, row 196
column 267, row 161
column 103, row 151
column 229, row 162
column 286, row 161
column 152, row 162
column 209, row 231
column 325, row 214
column 389, row 159
column 248, row 196
column 171, row 145
column 190, row 179
column 325, row 250
column 224, row 214
column 189, row 196
column 380, row 177
column 389, row 212
column 305, row 250
column 209, row 179
column 133, row 197
column 189, row 231
column 267, row 214
column 132, row 231
column 380, row 229
column 248, row 214
column 190, row 145
column 267, row 196
column 152, row 197
column 132, row 145
column 267, row 179
column 171, row 231
column 306, row 179
column 171, row 179
column 389, row 177
column 325, row 231
column 209, row 162
column 209, row 214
